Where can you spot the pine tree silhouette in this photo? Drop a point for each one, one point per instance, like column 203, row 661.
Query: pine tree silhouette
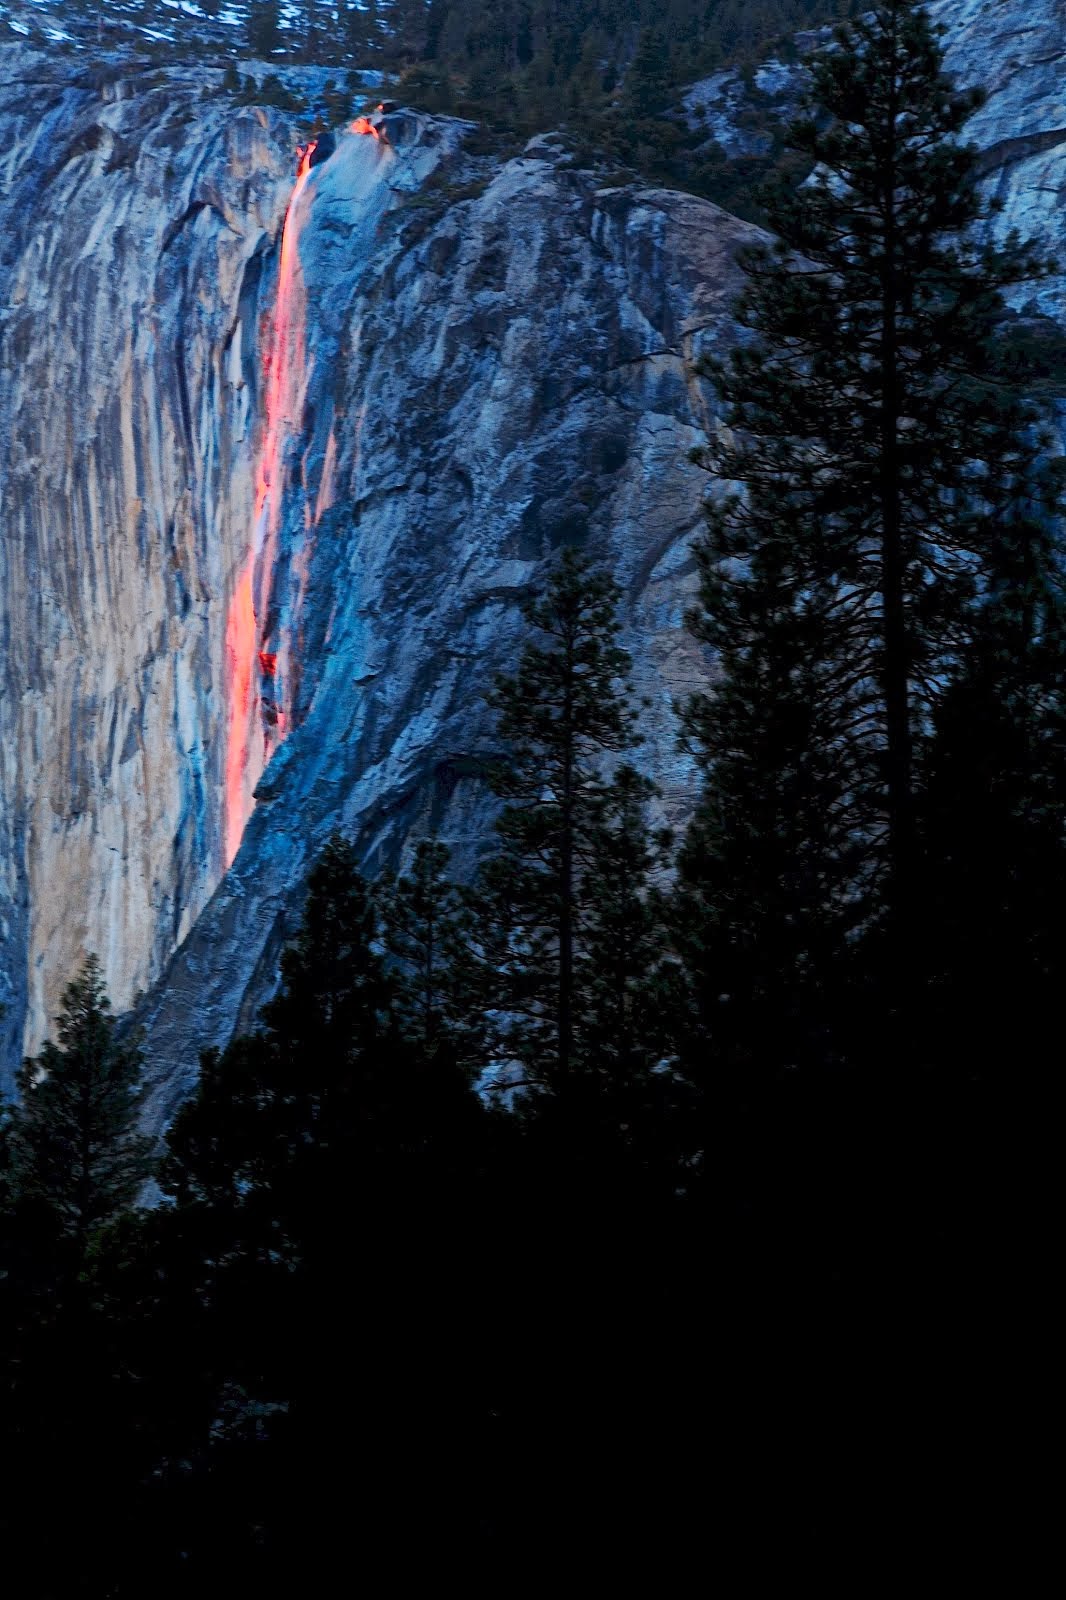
column 568, row 835
column 878, row 444
column 75, row 1144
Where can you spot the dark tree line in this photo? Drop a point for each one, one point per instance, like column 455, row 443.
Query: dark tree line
column 610, row 74
column 533, row 46
column 536, row 1212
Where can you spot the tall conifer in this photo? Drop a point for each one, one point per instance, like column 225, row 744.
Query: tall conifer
column 567, row 892
column 421, row 912
column 75, row 1144
column 876, row 446
column 993, row 815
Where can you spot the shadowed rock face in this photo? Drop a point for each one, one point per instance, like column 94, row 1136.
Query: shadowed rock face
column 484, row 376
column 1017, row 51
column 500, row 376
column 1014, row 49
column 487, row 370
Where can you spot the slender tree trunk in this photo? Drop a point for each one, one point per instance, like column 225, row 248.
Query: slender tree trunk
column 84, row 1190
column 896, row 661
column 429, row 992
column 566, row 877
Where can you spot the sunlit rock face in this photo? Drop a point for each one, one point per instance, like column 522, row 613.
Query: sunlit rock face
column 136, row 239
column 267, row 518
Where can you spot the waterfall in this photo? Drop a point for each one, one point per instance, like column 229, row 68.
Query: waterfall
column 267, row 594
column 256, row 661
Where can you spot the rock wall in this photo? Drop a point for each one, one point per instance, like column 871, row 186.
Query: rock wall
column 484, row 363
column 137, row 224
column 489, row 363
column 1017, row 52
column 499, row 374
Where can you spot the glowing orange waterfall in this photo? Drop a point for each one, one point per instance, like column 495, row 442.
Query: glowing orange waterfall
column 259, row 648
column 256, row 723
column 240, row 653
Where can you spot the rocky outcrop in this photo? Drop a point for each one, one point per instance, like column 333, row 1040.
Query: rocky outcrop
column 1015, row 51
column 216, row 569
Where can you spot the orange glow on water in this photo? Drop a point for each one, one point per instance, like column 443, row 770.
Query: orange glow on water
column 240, row 648
column 256, row 722
column 285, row 361
column 261, row 654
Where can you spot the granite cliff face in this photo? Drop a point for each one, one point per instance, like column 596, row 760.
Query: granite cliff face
column 1016, row 51
column 135, row 265
column 498, row 375
column 272, row 490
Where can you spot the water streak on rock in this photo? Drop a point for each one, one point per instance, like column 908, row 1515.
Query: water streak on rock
column 257, row 714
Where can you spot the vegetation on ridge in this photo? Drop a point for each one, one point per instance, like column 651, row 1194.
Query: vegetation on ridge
column 610, row 73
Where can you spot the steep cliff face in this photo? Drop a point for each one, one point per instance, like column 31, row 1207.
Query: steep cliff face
column 491, row 377
column 136, row 233
column 274, row 489
column 1016, row 51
